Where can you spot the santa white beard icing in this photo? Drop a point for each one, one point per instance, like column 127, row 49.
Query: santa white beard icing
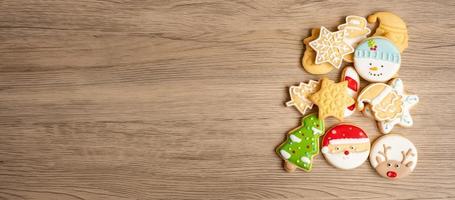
column 377, row 59
column 346, row 146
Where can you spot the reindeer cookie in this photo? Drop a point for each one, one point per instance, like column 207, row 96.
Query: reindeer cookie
column 302, row 144
column 393, row 156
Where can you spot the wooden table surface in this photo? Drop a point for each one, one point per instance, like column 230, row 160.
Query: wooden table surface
column 114, row 99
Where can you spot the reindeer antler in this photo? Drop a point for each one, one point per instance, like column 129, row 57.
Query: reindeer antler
column 383, row 153
column 406, row 155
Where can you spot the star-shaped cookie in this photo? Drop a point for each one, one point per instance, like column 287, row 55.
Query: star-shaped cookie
column 331, row 47
column 404, row 119
column 299, row 95
column 332, row 99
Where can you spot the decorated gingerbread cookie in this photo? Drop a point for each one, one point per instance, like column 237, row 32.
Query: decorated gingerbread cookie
column 393, row 156
column 299, row 95
column 389, row 105
column 346, row 146
column 302, row 144
column 356, row 30
column 332, row 99
column 309, row 57
column 350, row 75
column 392, row 27
column 330, row 47
column 377, row 59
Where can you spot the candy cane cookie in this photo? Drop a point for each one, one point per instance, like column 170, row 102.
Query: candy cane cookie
column 349, row 74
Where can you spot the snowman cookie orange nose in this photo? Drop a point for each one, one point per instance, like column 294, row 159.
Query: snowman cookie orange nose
column 377, row 59
column 374, row 68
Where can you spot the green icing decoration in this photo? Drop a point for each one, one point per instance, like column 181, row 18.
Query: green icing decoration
column 302, row 143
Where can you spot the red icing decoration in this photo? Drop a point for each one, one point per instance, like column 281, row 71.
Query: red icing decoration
column 343, row 131
column 391, row 174
column 352, row 107
column 346, row 152
column 351, row 83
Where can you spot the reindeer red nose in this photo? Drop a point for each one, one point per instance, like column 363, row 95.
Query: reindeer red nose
column 346, row 152
column 391, row 174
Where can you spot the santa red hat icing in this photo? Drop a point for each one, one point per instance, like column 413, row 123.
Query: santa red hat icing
column 344, row 134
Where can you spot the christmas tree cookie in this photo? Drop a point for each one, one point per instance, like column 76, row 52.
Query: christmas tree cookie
column 302, row 144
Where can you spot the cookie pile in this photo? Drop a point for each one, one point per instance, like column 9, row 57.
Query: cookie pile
column 376, row 59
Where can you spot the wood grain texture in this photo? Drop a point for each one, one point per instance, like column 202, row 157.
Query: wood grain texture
column 118, row 99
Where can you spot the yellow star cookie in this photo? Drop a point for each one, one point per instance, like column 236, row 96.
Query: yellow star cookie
column 299, row 95
column 331, row 47
column 332, row 99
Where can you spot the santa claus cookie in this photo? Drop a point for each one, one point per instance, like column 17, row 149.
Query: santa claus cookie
column 377, row 59
column 302, row 144
column 393, row 156
column 388, row 104
column 345, row 146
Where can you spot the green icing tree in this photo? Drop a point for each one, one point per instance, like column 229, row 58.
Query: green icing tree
column 302, row 143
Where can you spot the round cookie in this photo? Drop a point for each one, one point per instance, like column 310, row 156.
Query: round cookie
column 377, row 59
column 346, row 146
column 309, row 57
column 393, row 156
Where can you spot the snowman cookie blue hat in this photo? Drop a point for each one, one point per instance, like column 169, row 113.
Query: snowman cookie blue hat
column 377, row 59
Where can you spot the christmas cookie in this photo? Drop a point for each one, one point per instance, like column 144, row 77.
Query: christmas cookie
column 331, row 47
column 332, row 99
column 309, row 57
column 299, row 95
column 393, row 156
column 392, row 27
column 302, row 144
column 389, row 105
column 356, row 30
column 346, row 146
column 350, row 75
column 377, row 59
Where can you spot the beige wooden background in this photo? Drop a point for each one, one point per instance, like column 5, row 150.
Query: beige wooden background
column 116, row 99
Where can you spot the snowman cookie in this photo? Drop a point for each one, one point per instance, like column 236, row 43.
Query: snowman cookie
column 346, row 146
column 377, row 59
column 302, row 144
column 393, row 156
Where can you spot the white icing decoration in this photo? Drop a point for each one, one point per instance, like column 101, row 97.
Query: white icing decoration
column 285, row 154
column 349, row 141
column 305, row 160
column 351, row 161
column 316, row 131
column 295, row 138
